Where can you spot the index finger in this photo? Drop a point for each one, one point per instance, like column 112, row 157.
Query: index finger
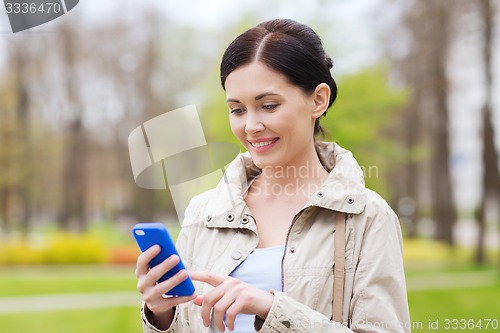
column 210, row 278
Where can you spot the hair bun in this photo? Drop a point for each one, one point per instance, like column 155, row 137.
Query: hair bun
column 329, row 62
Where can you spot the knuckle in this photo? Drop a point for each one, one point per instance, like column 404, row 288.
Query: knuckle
column 147, row 299
column 167, row 264
column 140, row 286
column 141, row 259
column 240, row 288
column 154, row 274
column 219, row 307
column 157, row 272
column 152, row 306
column 231, row 313
column 180, row 276
column 209, row 300
column 158, row 289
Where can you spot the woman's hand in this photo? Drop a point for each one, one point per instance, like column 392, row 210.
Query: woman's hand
column 153, row 294
column 230, row 297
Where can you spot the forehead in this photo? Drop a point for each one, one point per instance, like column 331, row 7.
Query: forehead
column 254, row 79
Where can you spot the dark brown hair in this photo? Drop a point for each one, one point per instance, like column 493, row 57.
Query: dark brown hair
column 288, row 47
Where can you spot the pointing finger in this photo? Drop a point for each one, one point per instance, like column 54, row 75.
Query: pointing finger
column 212, row 279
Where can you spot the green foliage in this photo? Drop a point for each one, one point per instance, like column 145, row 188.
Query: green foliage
column 59, row 248
column 215, row 113
column 365, row 108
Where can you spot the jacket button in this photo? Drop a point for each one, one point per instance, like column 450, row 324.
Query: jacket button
column 245, row 220
column 350, row 201
column 230, row 217
column 209, row 218
column 320, row 194
column 236, row 255
column 292, row 250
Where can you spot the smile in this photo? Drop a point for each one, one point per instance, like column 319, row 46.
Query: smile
column 263, row 144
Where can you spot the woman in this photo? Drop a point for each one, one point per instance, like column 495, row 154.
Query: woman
column 260, row 246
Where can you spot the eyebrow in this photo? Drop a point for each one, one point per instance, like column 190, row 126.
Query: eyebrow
column 258, row 97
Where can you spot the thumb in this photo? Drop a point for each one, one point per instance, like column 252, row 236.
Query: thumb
column 198, row 300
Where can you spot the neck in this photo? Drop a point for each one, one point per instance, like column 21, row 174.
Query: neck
column 300, row 177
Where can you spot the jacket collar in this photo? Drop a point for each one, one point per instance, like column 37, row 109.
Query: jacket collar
column 343, row 189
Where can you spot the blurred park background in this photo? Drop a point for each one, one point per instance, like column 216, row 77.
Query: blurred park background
column 418, row 104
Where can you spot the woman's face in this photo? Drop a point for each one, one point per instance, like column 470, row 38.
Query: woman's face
column 272, row 118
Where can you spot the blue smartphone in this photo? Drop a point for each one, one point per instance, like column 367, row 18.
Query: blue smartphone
column 149, row 234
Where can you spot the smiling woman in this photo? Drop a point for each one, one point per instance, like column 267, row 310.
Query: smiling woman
column 291, row 228
column 288, row 113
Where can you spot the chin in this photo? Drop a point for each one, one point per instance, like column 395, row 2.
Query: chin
column 263, row 162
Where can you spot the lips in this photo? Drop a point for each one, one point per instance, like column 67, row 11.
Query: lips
column 262, row 145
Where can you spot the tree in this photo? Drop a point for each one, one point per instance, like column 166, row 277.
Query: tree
column 360, row 120
column 74, row 170
column 491, row 174
column 423, row 69
column 442, row 198
column 16, row 184
column 25, row 157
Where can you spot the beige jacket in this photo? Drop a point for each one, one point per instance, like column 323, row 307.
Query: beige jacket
column 219, row 233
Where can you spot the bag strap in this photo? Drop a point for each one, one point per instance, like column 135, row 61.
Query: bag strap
column 338, row 275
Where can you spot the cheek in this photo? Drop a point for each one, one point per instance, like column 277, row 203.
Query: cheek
column 237, row 126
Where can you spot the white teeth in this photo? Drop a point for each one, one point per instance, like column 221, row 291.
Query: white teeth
column 262, row 144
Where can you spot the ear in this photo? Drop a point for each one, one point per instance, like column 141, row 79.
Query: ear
column 321, row 99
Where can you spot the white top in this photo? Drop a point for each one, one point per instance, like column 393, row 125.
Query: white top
column 261, row 269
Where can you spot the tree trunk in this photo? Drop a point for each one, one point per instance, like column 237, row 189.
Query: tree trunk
column 25, row 160
column 491, row 174
column 72, row 210
column 442, row 198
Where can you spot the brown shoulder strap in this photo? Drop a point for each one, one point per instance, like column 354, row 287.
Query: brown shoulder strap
column 338, row 275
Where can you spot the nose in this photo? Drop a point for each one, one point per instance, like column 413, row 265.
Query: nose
column 253, row 123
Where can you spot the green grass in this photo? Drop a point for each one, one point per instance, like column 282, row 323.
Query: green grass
column 122, row 320
column 24, row 281
column 441, row 309
column 38, row 280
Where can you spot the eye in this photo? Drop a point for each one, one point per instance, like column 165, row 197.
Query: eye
column 237, row 111
column 270, row 106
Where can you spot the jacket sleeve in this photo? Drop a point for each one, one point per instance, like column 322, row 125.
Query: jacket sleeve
column 288, row 315
column 378, row 302
column 179, row 325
